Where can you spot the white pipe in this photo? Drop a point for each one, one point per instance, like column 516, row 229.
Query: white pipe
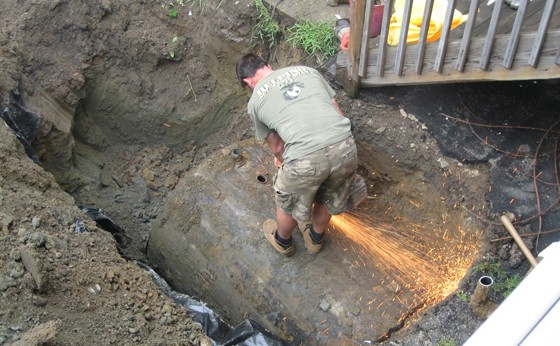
column 525, row 307
column 547, row 331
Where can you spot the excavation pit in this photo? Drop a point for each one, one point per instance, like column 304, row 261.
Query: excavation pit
column 373, row 275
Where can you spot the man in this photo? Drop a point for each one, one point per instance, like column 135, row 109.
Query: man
column 294, row 110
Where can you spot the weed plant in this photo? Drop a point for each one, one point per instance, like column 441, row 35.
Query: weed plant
column 314, row 38
column 504, row 283
column 445, row 341
column 508, row 285
column 267, row 30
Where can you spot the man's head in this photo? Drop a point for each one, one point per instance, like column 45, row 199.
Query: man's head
column 247, row 67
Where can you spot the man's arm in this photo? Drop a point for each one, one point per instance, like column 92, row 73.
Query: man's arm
column 335, row 105
column 276, row 145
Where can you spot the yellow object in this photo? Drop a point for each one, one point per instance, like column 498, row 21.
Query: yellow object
column 436, row 21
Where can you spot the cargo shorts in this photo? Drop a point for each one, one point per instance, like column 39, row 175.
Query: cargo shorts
column 324, row 176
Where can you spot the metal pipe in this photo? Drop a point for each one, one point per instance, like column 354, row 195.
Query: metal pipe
column 237, row 155
column 479, row 303
column 480, row 294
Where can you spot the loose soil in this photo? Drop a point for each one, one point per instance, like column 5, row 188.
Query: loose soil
column 129, row 100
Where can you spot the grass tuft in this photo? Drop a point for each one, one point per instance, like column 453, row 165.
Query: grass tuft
column 314, row 38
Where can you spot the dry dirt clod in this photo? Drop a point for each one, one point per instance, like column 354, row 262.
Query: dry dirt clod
column 33, row 264
column 39, row 335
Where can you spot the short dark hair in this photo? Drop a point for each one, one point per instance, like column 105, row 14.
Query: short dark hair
column 248, row 65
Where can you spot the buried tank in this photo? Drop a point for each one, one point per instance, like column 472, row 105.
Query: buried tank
column 382, row 263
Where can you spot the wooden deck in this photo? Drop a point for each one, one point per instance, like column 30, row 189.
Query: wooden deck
column 495, row 43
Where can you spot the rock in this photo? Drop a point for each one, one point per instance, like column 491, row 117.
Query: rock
column 36, row 222
column 504, row 251
column 17, row 270
column 5, row 221
column 355, row 311
column 39, row 335
column 380, row 130
column 34, row 266
column 443, row 164
column 39, row 301
column 516, row 257
column 6, row 282
column 524, row 149
column 37, row 239
column 325, row 306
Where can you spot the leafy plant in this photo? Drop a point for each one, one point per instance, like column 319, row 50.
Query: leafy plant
column 172, row 13
column 267, row 30
column 508, row 285
column 314, row 38
column 172, row 51
column 463, row 296
column 504, row 283
column 445, row 341
column 490, row 267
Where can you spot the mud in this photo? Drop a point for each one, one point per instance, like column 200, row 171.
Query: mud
column 139, row 113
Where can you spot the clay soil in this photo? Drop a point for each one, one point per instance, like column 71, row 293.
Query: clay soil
column 129, row 99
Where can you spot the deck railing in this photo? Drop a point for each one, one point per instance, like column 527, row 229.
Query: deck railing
column 524, row 44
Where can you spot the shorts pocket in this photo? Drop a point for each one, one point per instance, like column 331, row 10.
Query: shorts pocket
column 349, row 153
column 284, row 200
column 302, row 167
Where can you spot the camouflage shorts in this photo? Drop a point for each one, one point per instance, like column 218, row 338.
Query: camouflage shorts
column 323, row 176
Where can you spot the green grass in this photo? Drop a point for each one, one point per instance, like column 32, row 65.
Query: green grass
column 490, row 267
column 504, row 284
column 463, row 296
column 445, row 341
column 507, row 285
column 267, row 31
column 314, row 38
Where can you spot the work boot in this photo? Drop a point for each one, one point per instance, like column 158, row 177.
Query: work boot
column 312, row 246
column 270, row 229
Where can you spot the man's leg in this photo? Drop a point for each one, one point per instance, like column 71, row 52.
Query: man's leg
column 286, row 224
column 320, row 218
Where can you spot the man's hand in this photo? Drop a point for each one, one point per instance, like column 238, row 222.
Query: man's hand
column 277, row 162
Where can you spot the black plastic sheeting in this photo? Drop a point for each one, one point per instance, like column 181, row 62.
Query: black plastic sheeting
column 103, row 221
column 23, row 123
column 247, row 333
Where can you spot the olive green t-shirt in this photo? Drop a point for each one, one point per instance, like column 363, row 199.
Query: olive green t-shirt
column 296, row 103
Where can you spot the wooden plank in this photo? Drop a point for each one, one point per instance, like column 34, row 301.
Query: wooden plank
column 520, row 70
column 515, row 34
column 365, row 38
column 423, row 35
column 487, row 50
column 440, row 58
column 466, row 41
column 543, row 26
column 383, row 46
column 401, row 48
column 352, row 86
